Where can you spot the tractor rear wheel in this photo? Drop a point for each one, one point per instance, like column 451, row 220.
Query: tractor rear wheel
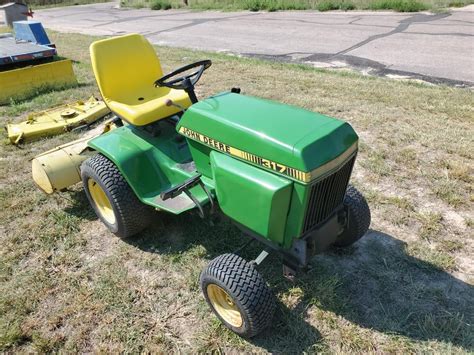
column 358, row 215
column 113, row 200
column 237, row 294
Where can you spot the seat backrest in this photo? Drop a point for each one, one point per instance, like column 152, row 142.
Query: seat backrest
column 122, row 65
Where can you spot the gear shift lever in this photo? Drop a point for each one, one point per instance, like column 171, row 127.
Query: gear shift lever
column 170, row 102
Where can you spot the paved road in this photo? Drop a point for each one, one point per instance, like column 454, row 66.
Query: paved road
column 432, row 47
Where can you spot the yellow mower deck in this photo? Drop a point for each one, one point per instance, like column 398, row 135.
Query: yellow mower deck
column 57, row 120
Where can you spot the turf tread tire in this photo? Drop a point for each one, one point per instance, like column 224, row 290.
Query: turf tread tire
column 132, row 216
column 359, row 218
column 247, row 288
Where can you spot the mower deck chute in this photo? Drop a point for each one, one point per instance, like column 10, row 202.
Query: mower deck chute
column 59, row 168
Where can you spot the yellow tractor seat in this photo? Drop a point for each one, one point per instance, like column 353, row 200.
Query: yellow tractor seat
column 126, row 68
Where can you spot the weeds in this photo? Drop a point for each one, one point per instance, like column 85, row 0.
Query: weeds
column 447, row 190
column 331, row 5
column 160, row 5
column 398, row 5
column 430, row 225
column 425, row 253
column 456, row 4
column 272, row 5
column 277, row 5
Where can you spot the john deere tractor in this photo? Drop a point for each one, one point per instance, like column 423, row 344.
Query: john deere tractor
column 280, row 173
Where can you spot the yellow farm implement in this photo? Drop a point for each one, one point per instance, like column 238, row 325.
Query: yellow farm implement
column 59, row 168
column 29, row 63
column 20, row 83
column 57, row 120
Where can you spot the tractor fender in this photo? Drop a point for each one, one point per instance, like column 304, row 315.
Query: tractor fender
column 134, row 160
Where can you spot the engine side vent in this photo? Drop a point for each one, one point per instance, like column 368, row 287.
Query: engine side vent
column 326, row 195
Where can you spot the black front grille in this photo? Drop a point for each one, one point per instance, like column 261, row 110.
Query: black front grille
column 326, row 195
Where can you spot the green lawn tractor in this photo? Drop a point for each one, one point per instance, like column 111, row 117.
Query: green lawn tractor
column 280, row 173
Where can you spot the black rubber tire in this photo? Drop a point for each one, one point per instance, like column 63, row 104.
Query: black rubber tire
column 131, row 216
column 359, row 218
column 247, row 289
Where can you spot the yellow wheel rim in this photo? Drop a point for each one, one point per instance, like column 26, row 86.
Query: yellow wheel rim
column 101, row 201
column 224, row 305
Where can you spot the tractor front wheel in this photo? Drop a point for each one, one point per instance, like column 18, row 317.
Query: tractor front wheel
column 113, row 200
column 237, row 294
column 358, row 218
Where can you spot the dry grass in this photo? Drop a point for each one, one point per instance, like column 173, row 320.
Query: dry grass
column 67, row 284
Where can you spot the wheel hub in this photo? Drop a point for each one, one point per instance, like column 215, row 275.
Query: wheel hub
column 224, row 305
column 101, row 201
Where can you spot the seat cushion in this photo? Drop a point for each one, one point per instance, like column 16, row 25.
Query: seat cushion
column 125, row 68
column 149, row 105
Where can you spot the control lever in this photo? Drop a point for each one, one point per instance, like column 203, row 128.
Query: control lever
column 170, row 102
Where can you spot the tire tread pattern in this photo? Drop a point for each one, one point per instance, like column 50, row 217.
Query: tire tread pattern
column 246, row 285
column 359, row 217
column 133, row 216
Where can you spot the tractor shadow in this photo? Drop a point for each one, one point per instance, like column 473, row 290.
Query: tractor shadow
column 80, row 206
column 375, row 284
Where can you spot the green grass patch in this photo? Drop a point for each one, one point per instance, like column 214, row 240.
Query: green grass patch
column 456, row 4
column 398, row 5
column 160, row 5
column 277, row 5
column 331, row 5
column 430, row 225
column 273, row 5
column 44, row 4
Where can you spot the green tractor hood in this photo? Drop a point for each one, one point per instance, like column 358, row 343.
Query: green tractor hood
column 279, row 137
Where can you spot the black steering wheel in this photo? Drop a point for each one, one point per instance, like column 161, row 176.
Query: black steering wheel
column 182, row 82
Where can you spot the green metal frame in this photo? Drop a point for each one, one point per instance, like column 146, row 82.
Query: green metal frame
column 150, row 164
